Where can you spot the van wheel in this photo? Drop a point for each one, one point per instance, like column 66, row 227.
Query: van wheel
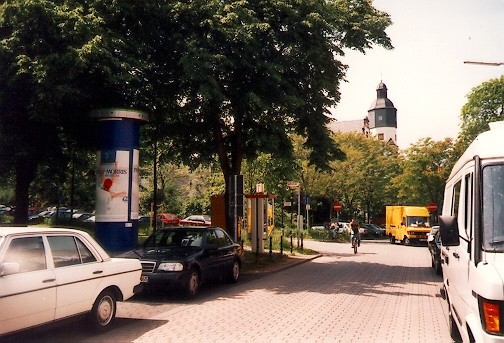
column 454, row 331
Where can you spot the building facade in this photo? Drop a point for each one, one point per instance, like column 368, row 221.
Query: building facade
column 380, row 122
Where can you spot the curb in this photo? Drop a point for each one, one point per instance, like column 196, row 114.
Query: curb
column 274, row 268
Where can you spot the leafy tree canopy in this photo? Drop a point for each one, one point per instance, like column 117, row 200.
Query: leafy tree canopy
column 484, row 104
column 425, row 168
column 255, row 71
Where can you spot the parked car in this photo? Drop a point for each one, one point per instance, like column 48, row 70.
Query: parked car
column 169, row 218
column 184, row 258
column 435, row 251
column 363, row 232
column 81, row 216
column 375, row 230
column 343, row 227
column 50, row 274
column 430, row 235
column 197, row 220
column 91, row 219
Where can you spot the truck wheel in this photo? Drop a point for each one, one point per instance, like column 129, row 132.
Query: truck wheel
column 406, row 241
column 392, row 239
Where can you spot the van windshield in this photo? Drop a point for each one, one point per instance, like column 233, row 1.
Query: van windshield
column 493, row 207
column 417, row 221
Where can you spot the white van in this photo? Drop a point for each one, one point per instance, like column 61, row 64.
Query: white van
column 472, row 234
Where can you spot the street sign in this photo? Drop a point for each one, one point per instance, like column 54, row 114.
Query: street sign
column 337, row 206
column 287, row 204
column 432, row 207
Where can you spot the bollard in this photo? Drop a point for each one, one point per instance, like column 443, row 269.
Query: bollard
column 271, row 247
column 291, row 242
column 281, row 243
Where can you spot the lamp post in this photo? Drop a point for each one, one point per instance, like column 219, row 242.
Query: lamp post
column 494, row 64
column 297, row 186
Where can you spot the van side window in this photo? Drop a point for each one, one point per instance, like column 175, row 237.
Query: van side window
column 468, row 196
column 456, row 199
column 493, row 207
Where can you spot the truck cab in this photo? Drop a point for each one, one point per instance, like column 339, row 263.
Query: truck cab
column 472, row 235
column 407, row 224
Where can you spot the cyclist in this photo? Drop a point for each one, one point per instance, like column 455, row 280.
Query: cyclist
column 354, row 226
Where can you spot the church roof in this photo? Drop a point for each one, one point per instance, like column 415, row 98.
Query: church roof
column 381, row 98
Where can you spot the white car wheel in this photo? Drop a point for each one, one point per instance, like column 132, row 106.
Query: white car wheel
column 103, row 312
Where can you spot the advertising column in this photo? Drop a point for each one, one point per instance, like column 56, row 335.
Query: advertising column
column 117, row 178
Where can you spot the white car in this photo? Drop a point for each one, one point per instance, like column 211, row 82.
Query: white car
column 49, row 274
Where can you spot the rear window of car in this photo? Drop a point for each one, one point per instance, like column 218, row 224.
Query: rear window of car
column 69, row 250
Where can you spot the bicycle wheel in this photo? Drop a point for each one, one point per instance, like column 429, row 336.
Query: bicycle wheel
column 355, row 247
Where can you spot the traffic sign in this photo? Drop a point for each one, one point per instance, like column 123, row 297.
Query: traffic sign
column 337, row 207
column 432, row 207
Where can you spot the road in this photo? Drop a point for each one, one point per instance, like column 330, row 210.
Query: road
column 384, row 293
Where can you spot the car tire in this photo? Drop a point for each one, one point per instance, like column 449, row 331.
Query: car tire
column 438, row 268
column 193, row 283
column 234, row 273
column 102, row 315
column 392, row 239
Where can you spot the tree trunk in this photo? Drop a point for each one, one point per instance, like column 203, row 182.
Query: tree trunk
column 25, row 173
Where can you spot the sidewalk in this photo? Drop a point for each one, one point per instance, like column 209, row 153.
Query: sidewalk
column 266, row 265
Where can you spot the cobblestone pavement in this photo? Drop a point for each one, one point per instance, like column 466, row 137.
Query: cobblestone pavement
column 385, row 293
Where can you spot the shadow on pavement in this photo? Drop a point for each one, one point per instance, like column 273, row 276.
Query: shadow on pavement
column 124, row 330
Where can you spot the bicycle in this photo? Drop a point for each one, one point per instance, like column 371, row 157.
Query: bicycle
column 355, row 242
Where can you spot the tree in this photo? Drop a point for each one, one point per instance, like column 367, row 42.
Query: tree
column 484, row 104
column 426, row 166
column 256, row 71
column 361, row 182
column 58, row 60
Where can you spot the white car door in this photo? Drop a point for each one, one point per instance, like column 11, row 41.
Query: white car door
column 78, row 273
column 28, row 297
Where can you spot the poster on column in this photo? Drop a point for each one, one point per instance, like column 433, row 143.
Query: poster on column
column 135, row 186
column 112, row 186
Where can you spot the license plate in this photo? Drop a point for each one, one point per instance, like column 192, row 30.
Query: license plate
column 144, row 278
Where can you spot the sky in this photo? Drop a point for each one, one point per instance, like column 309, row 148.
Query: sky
column 425, row 73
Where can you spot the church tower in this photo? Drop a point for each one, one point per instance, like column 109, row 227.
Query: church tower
column 382, row 116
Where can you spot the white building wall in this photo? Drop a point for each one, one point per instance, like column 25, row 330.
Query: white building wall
column 389, row 133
